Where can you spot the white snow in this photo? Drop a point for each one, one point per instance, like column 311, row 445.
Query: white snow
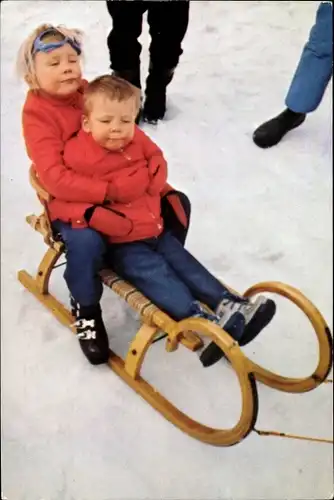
column 74, row 432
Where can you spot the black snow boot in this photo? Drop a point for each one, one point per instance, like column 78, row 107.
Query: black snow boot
column 155, row 101
column 132, row 76
column 271, row 132
column 91, row 332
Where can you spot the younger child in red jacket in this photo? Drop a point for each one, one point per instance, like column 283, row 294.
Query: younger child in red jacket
column 111, row 148
column 127, row 159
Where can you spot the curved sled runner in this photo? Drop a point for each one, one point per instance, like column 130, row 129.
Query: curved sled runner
column 187, row 332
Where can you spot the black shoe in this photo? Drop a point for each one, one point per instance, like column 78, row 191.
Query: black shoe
column 272, row 131
column 257, row 315
column 258, row 321
column 235, row 327
column 155, row 102
column 91, row 332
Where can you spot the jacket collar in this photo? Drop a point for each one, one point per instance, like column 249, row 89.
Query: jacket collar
column 74, row 100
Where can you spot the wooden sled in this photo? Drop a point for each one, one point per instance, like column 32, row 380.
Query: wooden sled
column 187, row 332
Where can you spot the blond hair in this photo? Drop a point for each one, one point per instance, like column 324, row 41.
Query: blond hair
column 25, row 63
column 112, row 87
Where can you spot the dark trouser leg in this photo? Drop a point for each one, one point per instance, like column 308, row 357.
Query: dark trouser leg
column 202, row 284
column 85, row 250
column 124, row 48
column 168, row 23
column 147, row 270
column 206, row 288
column 144, row 266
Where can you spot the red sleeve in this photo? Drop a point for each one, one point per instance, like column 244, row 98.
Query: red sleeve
column 150, row 149
column 45, row 149
column 157, row 164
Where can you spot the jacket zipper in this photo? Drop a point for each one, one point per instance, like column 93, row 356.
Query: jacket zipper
column 127, row 157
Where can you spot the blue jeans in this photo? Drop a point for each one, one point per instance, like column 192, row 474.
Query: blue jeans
column 167, row 274
column 315, row 67
column 85, row 252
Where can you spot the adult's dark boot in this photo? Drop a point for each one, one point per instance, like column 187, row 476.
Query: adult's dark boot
column 155, row 92
column 91, row 332
column 132, row 76
column 271, row 132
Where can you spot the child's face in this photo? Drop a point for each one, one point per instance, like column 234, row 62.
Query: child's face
column 58, row 72
column 111, row 123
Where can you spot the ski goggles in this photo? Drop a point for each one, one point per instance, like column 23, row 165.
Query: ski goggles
column 40, row 46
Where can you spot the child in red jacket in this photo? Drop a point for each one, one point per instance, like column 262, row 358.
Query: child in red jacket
column 111, row 148
column 49, row 62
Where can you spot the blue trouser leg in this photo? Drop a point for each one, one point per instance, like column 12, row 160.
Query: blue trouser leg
column 85, row 251
column 175, row 290
column 202, row 284
column 315, row 66
column 147, row 270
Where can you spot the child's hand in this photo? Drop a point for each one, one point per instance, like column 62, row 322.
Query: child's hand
column 129, row 188
column 157, row 167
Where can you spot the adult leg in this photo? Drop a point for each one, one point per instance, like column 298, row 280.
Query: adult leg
column 309, row 83
column 124, row 48
column 85, row 250
column 168, row 23
column 315, row 67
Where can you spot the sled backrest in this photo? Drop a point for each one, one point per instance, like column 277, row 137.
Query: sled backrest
column 40, row 191
column 42, row 222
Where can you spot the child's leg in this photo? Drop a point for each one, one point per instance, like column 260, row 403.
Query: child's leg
column 108, row 222
column 85, row 250
column 206, row 288
column 203, row 285
column 148, row 271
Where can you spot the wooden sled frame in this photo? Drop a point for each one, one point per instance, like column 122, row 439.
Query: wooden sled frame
column 187, row 332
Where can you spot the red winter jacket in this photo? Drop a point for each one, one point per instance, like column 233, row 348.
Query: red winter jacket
column 129, row 172
column 47, row 124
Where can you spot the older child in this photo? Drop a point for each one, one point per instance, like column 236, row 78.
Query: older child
column 49, row 62
column 111, row 148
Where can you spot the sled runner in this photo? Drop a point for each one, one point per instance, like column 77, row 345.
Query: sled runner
column 188, row 332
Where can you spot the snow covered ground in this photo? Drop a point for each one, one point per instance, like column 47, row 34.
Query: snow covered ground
column 74, row 432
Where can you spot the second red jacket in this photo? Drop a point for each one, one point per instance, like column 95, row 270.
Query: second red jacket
column 128, row 173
